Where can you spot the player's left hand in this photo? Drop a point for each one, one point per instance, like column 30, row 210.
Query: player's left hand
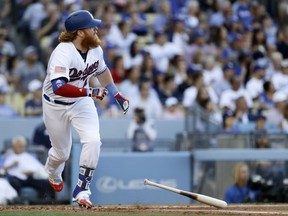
column 123, row 102
column 98, row 93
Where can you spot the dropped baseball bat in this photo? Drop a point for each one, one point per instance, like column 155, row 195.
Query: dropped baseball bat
column 199, row 197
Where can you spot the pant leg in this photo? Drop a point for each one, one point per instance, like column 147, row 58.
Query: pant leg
column 15, row 182
column 42, row 186
column 86, row 123
column 57, row 122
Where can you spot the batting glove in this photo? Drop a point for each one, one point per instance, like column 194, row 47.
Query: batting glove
column 123, row 102
column 98, row 93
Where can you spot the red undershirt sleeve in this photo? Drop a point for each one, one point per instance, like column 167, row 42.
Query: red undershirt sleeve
column 68, row 90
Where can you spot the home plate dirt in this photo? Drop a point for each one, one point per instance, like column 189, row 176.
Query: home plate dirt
column 191, row 209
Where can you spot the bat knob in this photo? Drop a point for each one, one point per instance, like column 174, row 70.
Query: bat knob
column 145, row 181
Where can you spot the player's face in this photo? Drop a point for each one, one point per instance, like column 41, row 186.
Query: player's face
column 91, row 39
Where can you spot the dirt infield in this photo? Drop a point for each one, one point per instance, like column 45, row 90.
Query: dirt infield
column 192, row 209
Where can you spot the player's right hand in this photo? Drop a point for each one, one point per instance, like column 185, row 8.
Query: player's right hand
column 98, row 93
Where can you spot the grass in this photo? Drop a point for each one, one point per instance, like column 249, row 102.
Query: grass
column 77, row 214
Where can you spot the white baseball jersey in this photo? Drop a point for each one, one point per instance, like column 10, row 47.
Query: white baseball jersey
column 66, row 61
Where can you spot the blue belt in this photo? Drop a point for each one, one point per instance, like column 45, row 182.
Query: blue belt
column 57, row 101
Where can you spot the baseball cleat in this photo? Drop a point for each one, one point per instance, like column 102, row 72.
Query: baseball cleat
column 56, row 184
column 84, row 203
column 83, row 200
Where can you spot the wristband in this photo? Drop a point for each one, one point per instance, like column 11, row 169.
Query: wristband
column 112, row 88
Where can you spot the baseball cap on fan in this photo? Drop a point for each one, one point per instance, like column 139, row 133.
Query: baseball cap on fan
column 81, row 19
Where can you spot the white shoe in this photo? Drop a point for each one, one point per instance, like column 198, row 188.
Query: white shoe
column 83, row 200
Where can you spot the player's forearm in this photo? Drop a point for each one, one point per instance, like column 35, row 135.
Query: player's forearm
column 68, row 90
column 106, row 80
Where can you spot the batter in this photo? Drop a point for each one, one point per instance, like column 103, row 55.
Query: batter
column 68, row 101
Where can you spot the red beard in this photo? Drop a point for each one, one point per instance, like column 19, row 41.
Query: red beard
column 90, row 42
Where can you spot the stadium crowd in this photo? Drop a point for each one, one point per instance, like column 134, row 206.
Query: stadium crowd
column 229, row 57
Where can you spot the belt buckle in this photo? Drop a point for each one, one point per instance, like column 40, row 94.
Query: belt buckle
column 52, row 100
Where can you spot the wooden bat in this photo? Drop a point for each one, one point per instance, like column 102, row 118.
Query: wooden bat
column 199, row 197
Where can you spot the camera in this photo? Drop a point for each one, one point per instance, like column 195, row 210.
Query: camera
column 268, row 190
column 140, row 115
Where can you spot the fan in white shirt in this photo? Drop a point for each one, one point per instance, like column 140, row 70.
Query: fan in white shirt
column 162, row 51
column 229, row 96
column 255, row 85
column 280, row 80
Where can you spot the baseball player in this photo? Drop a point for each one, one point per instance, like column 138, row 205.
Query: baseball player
column 68, row 101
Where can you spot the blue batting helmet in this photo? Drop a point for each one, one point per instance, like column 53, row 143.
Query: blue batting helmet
column 81, row 19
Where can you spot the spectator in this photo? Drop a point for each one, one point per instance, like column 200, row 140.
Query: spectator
column 239, row 192
column 33, row 106
column 172, row 109
column 229, row 96
column 134, row 57
column 259, row 44
column 48, row 28
column 148, row 68
column 178, row 68
column 3, row 84
column 177, row 35
column 162, row 17
column 260, row 125
column 212, row 72
column 225, row 83
column 147, row 99
column 8, row 193
column 265, row 98
column 162, row 51
column 110, row 53
column 229, row 122
column 192, row 14
column 130, row 84
column 190, row 94
column 204, row 101
column 7, row 47
column 282, row 44
column 276, row 115
column 118, row 71
column 280, row 80
column 6, row 111
column 232, row 52
column 41, row 137
column 31, row 20
column 24, row 170
column 284, row 122
column 121, row 36
column 198, row 43
column 243, row 114
column 168, row 89
column 261, row 134
column 141, row 131
column 5, row 10
column 28, row 69
column 255, row 84
column 270, row 31
column 241, row 8
column 138, row 19
column 275, row 65
column 223, row 12
column 273, row 171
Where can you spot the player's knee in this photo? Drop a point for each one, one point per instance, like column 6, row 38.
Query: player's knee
column 59, row 156
column 93, row 142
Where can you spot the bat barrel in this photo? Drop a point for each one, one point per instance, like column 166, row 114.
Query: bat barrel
column 211, row 201
column 199, row 197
